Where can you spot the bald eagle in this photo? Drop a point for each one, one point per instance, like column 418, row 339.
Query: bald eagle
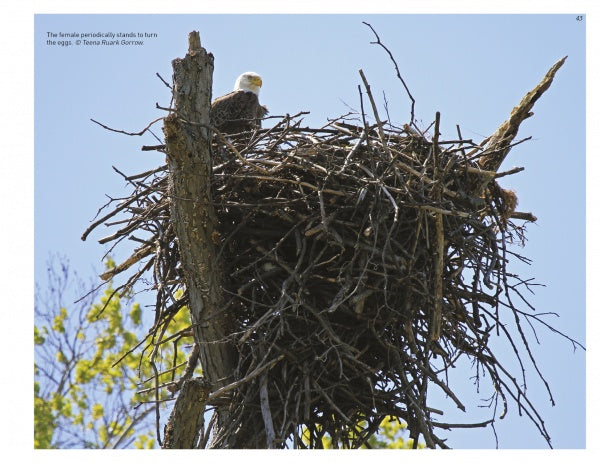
column 239, row 111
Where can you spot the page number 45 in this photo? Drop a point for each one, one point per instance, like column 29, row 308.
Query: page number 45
column 579, row 18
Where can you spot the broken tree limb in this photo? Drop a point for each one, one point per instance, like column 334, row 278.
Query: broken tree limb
column 187, row 417
column 135, row 257
column 499, row 144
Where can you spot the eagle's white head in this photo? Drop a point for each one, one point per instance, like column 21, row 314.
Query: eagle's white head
column 248, row 82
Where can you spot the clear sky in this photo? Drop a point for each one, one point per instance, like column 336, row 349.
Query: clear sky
column 471, row 68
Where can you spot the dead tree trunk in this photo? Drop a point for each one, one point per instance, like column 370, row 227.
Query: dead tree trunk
column 187, row 136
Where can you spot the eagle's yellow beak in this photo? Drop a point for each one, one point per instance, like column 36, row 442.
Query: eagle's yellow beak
column 255, row 80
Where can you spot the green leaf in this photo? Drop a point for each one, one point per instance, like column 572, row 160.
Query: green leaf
column 38, row 339
column 60, row 357
column 97, row 411
column 58, row 324
column 136, row 314
column 83, row 372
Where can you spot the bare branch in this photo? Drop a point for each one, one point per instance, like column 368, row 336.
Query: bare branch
column 378, row 42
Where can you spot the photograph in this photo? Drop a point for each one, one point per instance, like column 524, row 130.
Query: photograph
column 309, row 231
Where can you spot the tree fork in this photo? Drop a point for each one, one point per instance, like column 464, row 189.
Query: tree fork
column 187, row 136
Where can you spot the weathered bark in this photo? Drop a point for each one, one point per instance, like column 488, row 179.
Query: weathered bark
column 190, row 168
column 499, row 144
column 187, row 417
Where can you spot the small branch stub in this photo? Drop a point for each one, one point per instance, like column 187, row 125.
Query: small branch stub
column 194, row 42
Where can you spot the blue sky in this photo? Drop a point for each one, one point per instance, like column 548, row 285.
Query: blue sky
column 471, row 68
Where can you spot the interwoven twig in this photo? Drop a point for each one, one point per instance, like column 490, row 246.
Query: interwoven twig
column 359, row 266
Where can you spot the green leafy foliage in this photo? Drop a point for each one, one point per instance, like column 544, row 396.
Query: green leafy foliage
column 390, row 435
column 43, row 420
column 90, row 366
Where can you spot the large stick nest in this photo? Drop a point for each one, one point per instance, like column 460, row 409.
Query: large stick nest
column 353, row 258
column 360, row 264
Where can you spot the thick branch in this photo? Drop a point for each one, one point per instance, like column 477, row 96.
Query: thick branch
column 192, row 212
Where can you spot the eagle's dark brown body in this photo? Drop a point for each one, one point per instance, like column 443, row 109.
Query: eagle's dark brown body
column 238, row 111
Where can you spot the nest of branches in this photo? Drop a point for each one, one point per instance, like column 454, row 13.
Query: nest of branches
column 360, row 263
